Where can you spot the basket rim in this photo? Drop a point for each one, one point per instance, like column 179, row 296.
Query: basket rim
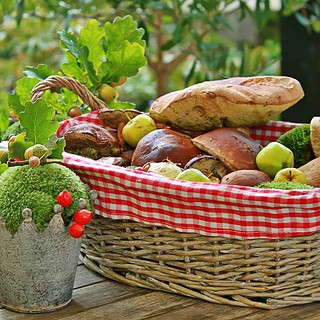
column 208, row 209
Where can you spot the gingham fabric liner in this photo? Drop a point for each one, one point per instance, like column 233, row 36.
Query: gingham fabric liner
column 208, row 209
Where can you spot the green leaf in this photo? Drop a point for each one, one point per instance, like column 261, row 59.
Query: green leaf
column 37, row 121
column 72, row 68
column 60, row 102
column 80, row 52
column 19, row 146
column 123, row 29
column 58, row 148
column 121, row 105
column 91, row 36
column 41, row 72
column 24, row 87
column 126, row 61
column 4, row 123
column 3, row 167
column 19, row 4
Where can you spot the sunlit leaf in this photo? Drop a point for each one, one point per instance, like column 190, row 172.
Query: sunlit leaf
column 37, row 121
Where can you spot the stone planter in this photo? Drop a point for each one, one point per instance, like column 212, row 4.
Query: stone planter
column 37, row 270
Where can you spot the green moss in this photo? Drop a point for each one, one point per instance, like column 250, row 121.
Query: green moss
column 14, row 129
column 37, row 188
column 284, row 185
column 298, row 141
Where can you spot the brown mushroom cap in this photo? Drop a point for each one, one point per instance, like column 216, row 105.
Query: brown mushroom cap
column 113, row 117
column 250, row 178
column 208, row 165
column 164, row 144
column 234, row 148
column 233, row 102
column 84, row 136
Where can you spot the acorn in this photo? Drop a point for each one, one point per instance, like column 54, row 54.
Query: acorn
column 4, row 155
column 37, row 150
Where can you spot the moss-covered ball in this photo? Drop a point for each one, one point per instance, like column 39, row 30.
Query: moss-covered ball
column 14, row 129
column 298, row 141
column 37, row 188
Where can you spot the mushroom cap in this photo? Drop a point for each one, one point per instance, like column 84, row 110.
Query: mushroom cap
column 234, row 148
column 164, row 144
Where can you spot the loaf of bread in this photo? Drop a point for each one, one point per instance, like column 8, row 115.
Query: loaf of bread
column 233, row 102
column 315, row 135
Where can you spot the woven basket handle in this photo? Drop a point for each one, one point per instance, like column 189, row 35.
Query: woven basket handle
column 69, row 83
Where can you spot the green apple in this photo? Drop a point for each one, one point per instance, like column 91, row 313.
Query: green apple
column 193, row 175
column 274, row 157
column 290, row 174
column 136, row 128
column 107, row 93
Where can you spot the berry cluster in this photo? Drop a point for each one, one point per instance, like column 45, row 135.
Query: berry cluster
column 80, row 218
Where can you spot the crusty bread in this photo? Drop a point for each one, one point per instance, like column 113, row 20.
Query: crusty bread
column 315, row 135
column 234, row 102
column 234, row 148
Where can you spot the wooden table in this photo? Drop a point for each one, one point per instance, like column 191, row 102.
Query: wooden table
column 97, row 298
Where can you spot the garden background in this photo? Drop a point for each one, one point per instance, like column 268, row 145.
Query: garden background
column 187, row 41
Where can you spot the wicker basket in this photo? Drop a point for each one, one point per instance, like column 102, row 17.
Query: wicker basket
column 256, row 272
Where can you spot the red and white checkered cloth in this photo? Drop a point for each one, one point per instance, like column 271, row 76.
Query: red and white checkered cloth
column 208, row 209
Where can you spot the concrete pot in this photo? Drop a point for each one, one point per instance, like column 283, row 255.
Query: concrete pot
column 37, row 270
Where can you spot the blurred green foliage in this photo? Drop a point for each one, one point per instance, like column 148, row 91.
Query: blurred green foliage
column 187, row 40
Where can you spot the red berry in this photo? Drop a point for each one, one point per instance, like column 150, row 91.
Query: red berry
column 82, row 216
column 76, row 230
column 64, row 198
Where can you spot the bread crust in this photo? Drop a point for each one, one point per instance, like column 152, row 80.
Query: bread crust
column 315, row 135
column 233, row 102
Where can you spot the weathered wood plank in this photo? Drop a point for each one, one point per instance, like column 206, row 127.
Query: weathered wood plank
column 86, row 277
column 136, row 307
column 201, row 310
column 84, row 298
column 310, row 311
column 97, row 298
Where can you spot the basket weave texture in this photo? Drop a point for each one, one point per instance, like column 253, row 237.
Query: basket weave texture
column 232, row 245
column 258, row 273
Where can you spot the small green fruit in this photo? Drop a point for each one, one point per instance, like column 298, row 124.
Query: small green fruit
column 274, row 157
column 108, row 93
column 136, row 128
column 37, row 150
column 193, row 175
column 4, row 155
column 290, row 174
